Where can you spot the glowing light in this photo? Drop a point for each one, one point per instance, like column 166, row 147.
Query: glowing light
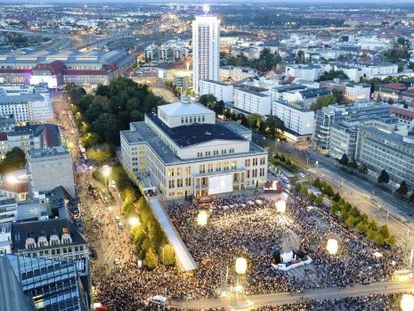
column 332, row 246
column 281, row 206
column 407, row 302
column 202, row 218
column 11, row 179
column 241, row 265
column 106, row 170
column 134, row 221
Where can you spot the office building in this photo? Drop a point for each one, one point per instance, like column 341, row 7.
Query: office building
column 235, row 74
column 220, row 90
column 206, row 49
column 359, row 111
column 357, row 91
column 41, row 283
column 8, row 210
column 183, row 151
column 387, row 147
column 26, row 103
column 39, row 136
column 251, row 99
column 50, row 168
column 308, row 72
column 295, row 117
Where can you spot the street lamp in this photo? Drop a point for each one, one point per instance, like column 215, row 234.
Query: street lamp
column 241, row 265
column 106, row 171
column 241, row 301
column 332, row 247
column 407, row 302
column 133, row 221
column 281, row 206
column 202, row 218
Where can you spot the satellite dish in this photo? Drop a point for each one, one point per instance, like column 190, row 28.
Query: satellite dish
column 206, row 8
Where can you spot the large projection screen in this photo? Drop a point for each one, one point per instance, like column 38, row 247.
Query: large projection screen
column 220, row 184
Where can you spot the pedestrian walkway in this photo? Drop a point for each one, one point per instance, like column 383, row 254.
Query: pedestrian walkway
column 184, row 259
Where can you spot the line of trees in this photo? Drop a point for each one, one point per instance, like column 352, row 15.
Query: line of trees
column 102, row 115
column 349, row 214
column 266, row 61
column 150, row 241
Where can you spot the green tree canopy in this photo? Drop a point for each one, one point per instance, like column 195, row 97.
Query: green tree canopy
column 14, row 159
column 151, row 259
column 383, row 177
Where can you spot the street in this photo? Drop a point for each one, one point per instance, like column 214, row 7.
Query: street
column 286, row 298
column 99, row 205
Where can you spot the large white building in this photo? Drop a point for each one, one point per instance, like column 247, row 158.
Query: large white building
column 27, row 103
column 358, row 91
column 220, row 90
column 51, row 168
column 183, row 151
column 309, row 72
column 252, row 100
column 206, row 49
column 295, row 117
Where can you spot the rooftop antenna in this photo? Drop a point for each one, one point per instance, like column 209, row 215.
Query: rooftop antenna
column 206, row 8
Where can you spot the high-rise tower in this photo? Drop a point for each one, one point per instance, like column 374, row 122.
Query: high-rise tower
column 206, row 48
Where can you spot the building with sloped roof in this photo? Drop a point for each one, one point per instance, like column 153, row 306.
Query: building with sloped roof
column 87, row 68
column 182, row 150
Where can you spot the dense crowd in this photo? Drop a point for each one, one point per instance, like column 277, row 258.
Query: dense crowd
column 249, row 227
column 372, row 303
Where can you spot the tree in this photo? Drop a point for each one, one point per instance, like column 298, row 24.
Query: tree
column 323, row 101
column 336, row 197
column 332, row 74
column 411, row 199
column 272, row 126
column 353, row 164
column 99, row 154
column 14, row 159
column 300, row 57
column 344, row 160
column 383, row 177
column 167, row 255
column 363, row 169
column 150, row 260
column 318, row 200
column 403, row 189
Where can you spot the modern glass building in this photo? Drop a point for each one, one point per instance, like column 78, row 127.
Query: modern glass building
column 47, row 284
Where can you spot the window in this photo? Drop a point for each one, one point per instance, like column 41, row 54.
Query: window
column 202, row 168
column 247, row 162
column 254, row 161
column 179, row 183
column 215, row 152
column 170, row 184
column 188, row 181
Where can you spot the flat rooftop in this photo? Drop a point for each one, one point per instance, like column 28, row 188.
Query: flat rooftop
column 194, row 134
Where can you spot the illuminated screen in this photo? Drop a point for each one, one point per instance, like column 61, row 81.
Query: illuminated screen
column 220, row 184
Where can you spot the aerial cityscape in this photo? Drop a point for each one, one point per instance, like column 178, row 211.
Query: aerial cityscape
column 227, row 155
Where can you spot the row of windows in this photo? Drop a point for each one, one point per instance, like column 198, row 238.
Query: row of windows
column 179, row 183
column 185, row 120
column 215, row 152
column 178, row 171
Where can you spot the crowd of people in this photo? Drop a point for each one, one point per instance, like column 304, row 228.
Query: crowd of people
column 372, row 303
column 251, row 228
